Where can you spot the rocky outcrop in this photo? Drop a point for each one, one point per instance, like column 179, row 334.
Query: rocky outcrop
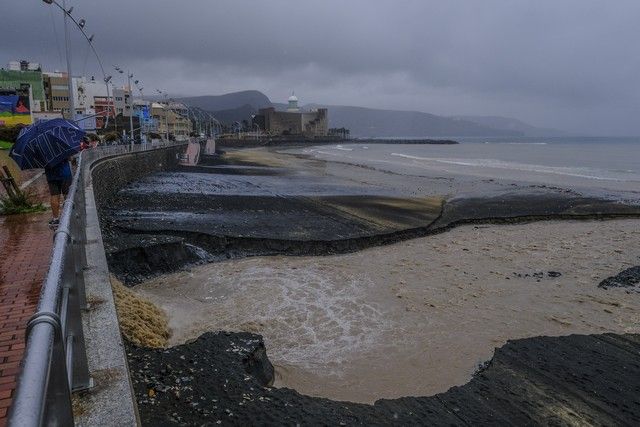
column 628, row 279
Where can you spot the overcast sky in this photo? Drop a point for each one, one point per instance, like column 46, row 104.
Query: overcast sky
column 568, row 64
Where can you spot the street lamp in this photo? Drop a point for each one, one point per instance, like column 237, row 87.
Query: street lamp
column 129, row 77
column 80, row 24
column 72, row 103
column 166, row 120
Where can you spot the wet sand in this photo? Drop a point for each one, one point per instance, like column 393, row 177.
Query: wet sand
column 416, row 317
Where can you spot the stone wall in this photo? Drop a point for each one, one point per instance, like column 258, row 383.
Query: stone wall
column 112, row 173
column 308, row 124
column 316, row 123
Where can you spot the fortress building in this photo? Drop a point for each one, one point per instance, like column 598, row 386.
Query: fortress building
column 309, row 124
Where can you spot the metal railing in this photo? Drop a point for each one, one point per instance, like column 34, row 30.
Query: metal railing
column 55, row 360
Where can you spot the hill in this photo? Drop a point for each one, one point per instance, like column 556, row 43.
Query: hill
column 508, row 123
column 228, row 101
column 368, row 122
column 238, row 114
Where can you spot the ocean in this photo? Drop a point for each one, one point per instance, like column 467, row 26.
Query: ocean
column 605, row 167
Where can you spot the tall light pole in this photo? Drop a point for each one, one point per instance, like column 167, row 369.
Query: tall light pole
column 129, row 76
column 142, row 126
column 81, row 26
column 72, row 103
column 166, row 112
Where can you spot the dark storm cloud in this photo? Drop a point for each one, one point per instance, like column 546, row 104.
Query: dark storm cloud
column 570, row 64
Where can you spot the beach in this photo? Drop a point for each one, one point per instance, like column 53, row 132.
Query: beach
column 378, row 276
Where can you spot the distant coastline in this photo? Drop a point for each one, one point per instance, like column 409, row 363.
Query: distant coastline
column 291, row 141
column 403, row 141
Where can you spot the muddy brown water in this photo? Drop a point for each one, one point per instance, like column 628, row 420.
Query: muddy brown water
column 413, row 318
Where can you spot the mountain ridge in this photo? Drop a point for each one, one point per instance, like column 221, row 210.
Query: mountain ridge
column 373, row 122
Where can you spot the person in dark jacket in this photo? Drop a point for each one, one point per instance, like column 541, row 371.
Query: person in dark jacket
column 59, row 180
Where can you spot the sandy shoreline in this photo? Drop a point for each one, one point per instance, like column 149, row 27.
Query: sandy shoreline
column 417, row 317
column 415, row 298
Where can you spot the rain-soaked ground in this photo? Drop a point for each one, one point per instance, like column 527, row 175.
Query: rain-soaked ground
column 383, row 316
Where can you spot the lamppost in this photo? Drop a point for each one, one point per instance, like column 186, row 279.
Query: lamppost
column 129, row 77
column 80, row 24
column 166, row 121
column 143, row 126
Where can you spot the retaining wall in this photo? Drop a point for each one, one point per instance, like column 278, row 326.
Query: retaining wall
column 111, row 173
column 110, row 402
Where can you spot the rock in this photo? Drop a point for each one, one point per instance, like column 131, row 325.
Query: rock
column 628, row 278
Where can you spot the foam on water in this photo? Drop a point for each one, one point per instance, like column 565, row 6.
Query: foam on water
column 499, row 164
column 340, row 147
column 314, row 321
column 603, row 167
column 308, row 320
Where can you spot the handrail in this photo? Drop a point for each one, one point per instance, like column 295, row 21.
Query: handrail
column 55, row 361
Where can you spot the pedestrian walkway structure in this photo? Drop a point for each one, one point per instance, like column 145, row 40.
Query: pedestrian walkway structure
column 52, row 338
column 25, row 247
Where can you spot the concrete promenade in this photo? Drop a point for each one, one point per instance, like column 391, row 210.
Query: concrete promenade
column 25, row 249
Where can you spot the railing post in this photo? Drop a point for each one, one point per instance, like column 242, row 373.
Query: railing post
column 58, row 410
column 73, row 296
column 79, row 238
column 76, row 353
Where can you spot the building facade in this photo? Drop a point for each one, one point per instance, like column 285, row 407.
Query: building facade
column 56, row 91
column 92, row 97
column 308, row 124
column 293, row 121
column 171, row 119
column 25, row 78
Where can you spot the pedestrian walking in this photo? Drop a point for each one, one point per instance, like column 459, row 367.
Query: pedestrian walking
column 59, row 181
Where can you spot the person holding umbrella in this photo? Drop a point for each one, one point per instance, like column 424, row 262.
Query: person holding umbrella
column 49, row 144
column 59, row 180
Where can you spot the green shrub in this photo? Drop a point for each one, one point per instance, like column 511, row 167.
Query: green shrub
column 23, row 202
column 10, row 133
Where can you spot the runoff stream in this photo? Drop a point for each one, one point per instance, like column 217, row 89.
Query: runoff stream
column 413, row 318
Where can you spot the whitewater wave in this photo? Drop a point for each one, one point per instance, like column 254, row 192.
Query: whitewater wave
column 500, row 164
column 340, row 147
column 517, row 143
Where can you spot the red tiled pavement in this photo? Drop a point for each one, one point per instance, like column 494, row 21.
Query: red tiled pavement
column 25, row 250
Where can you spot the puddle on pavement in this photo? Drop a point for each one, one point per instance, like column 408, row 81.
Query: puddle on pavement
column 414, row 318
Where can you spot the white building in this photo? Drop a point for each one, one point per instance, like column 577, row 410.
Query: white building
column 85, row 92
column 293, row 104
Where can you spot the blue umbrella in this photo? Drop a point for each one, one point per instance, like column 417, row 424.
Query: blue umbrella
column 46, row 143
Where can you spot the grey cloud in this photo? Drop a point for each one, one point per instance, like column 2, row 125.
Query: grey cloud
column 569, row 64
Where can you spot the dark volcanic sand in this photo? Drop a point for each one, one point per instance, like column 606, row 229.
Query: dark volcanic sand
column 262, row 203
column 222, row 378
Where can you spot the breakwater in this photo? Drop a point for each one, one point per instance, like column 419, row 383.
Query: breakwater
column 297, row 141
